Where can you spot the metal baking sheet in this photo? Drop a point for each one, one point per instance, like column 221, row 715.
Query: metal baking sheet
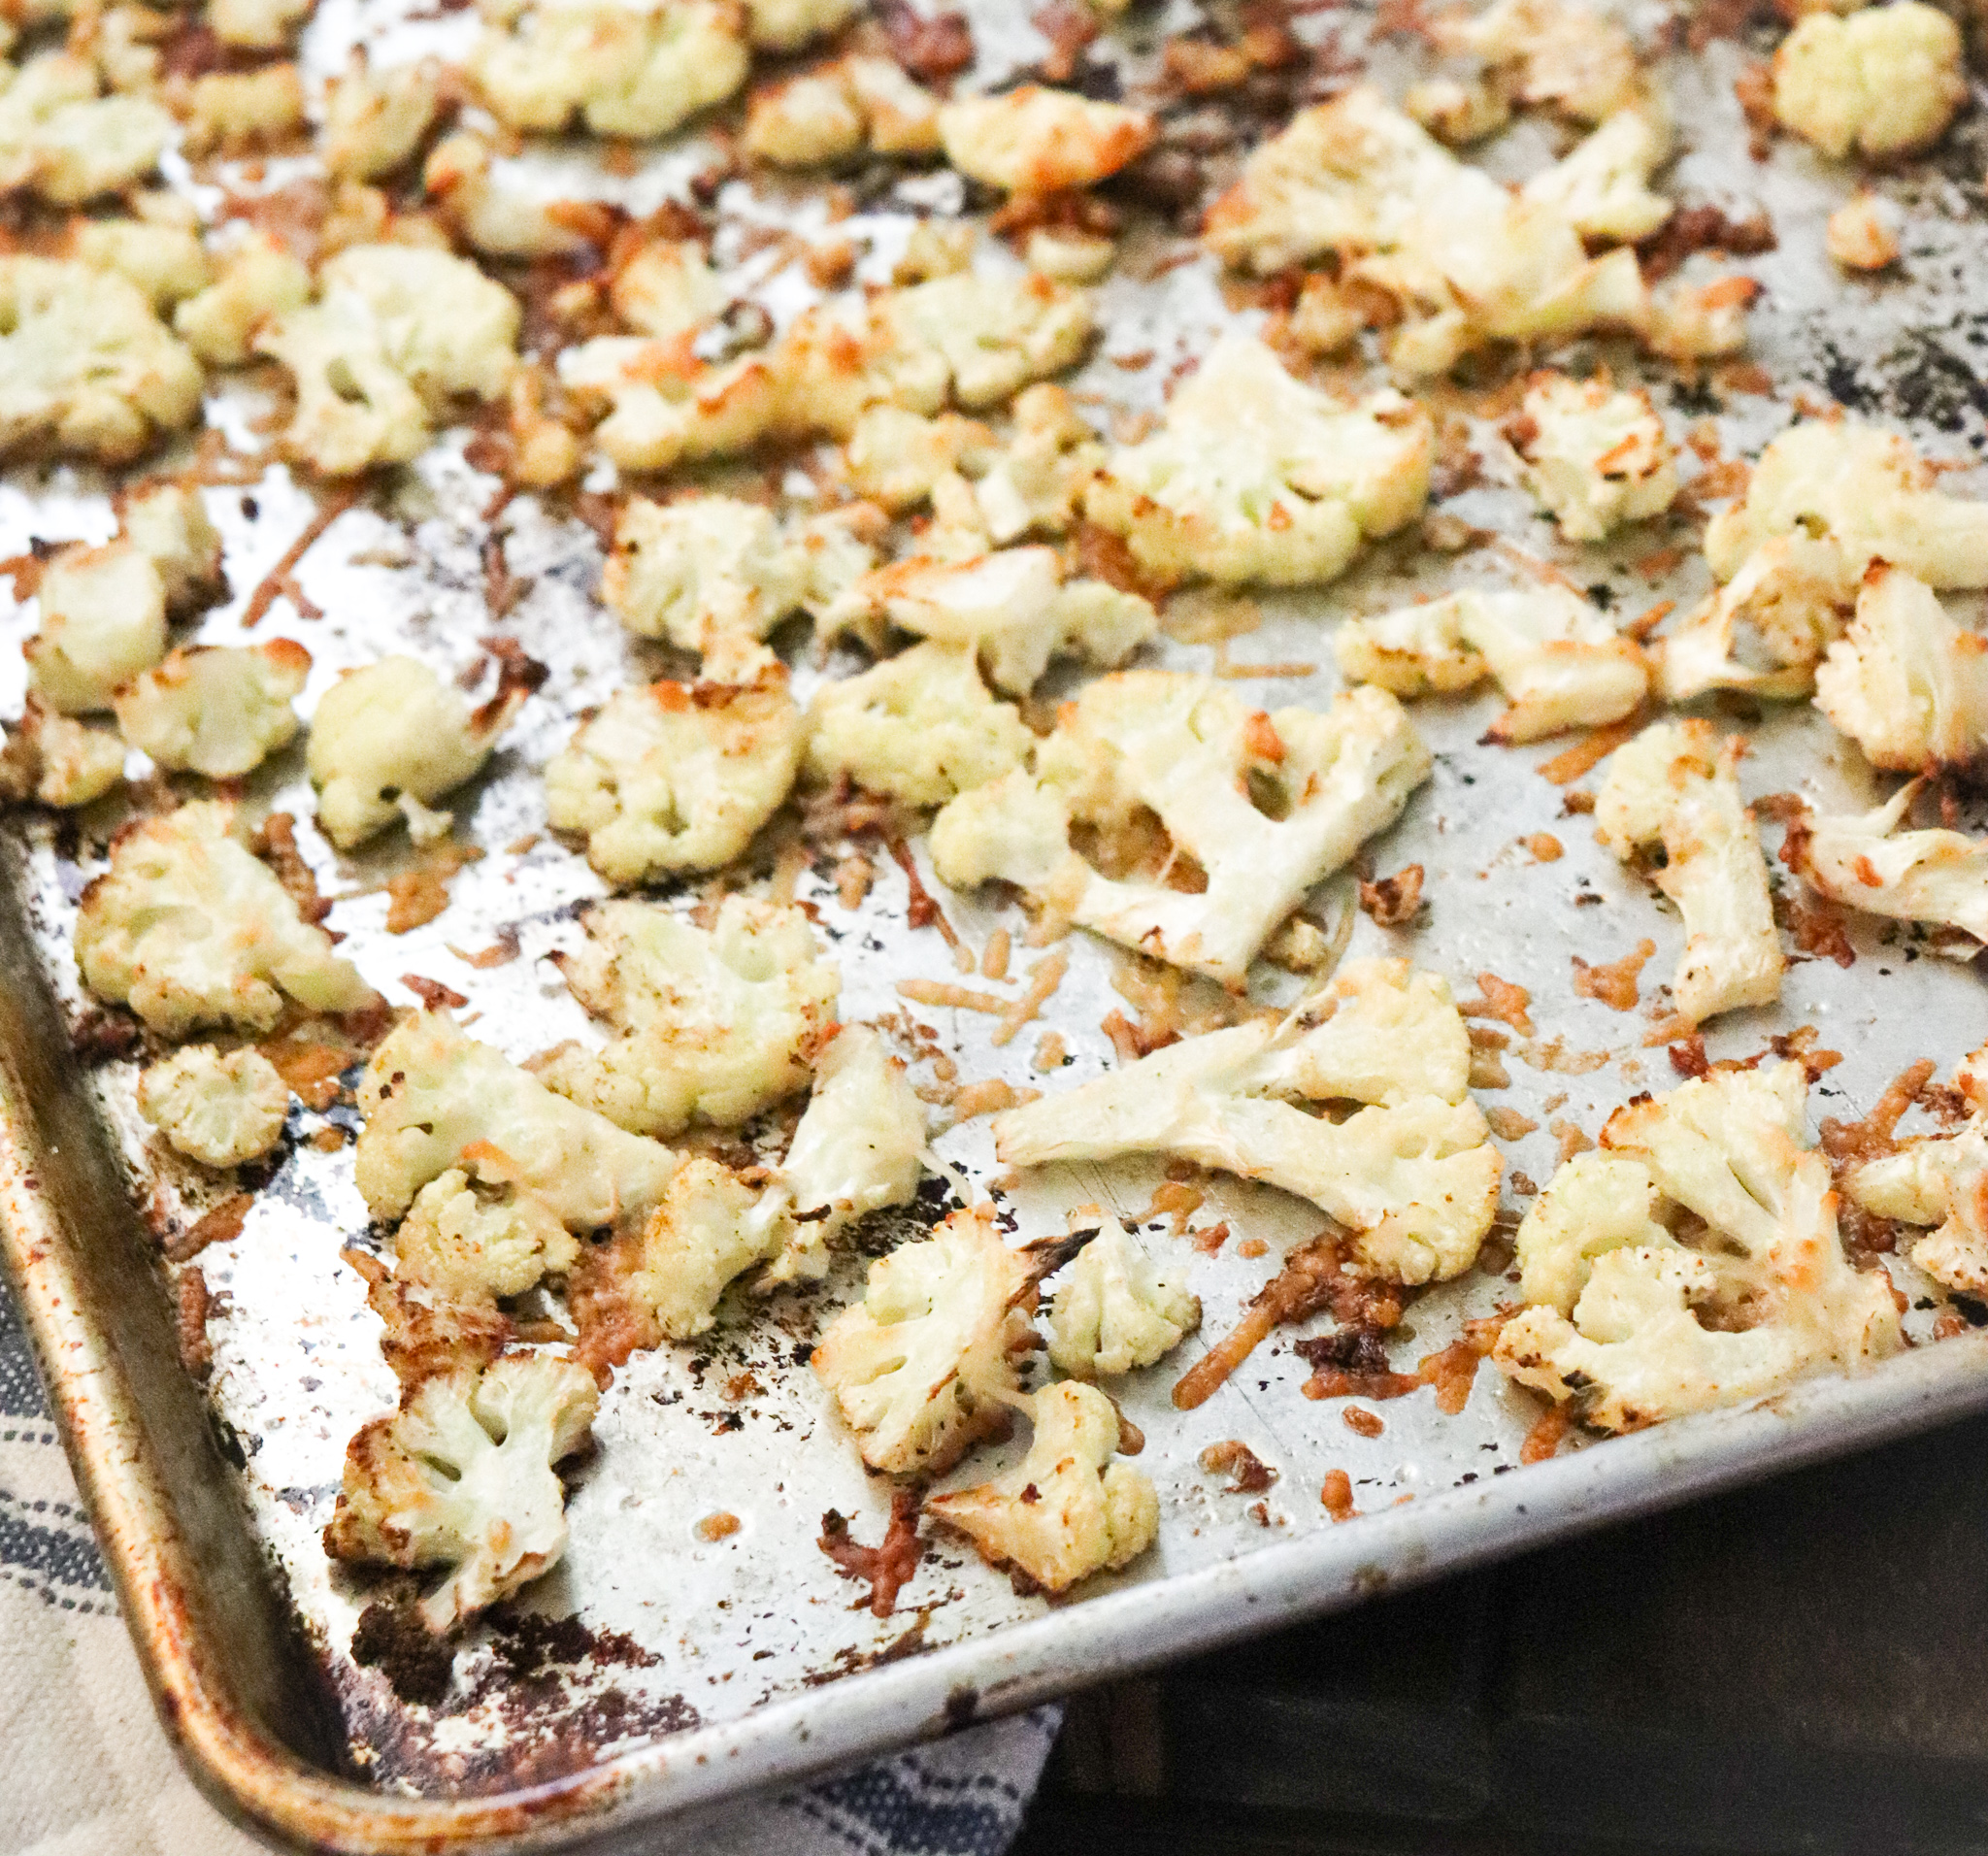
column 696, row 1668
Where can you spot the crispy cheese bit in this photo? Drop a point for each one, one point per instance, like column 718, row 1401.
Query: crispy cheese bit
column 1602, row 187
column 188, row 929
column 396, row 334
column 461, row 1477
column 922, row 727
column 1676, row 787
column 1596, row 455
column 712, row 1025
column 1465, row 262
column 436, row 1101
column 675, row 776
column 1766, row 630
column 840, row 109
column 715, row 575
column 1867, row 863
column 920, row 1368
column 1864, row 490
column 1066, row 1511
column 1939, row 1181
column 1012, row 609
column 220, row 1110
column 1862, row 235
column 1558, row 660
column 58, row 138
column 1114, row 1312
column 391, row 733
column 1660, row 1329
column 1255, row 475
column 215, row 710
column 1906, row 683
column 56, row 761
column 1412, row 1174
column 1265, row 806
column 1037, row 140
column 1883, row 83
column 1578, row 61
column 85, row 367
column 622, row 69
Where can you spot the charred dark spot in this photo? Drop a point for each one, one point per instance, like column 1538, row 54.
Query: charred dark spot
column 391, row 1638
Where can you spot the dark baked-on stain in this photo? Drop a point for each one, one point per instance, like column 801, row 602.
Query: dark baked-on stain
column 392, row 1639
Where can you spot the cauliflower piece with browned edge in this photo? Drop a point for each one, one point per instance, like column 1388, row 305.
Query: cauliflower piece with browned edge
column 1942, row 1182
column 899, row 456
column 374, row 121
column 188, row 929
column 259, row 281
column 1780, row 1298
column 59, row 762
column 470, row 1240
column 664, row 406
column 435, row 1100
column 220, row 1110
column 1255, row 475
column 840, row 109
column 1066, row 1511
column 1466, row 262
column 102, row 621
column 1676, row 787
column 85, row 367
column 215, row 709
column 1265, row 805
column 1885, row 81
column 395, row 732
column 167, row 262
column 58, row 138
column 1038, row 140
column 1602, row 186
column 666, row 288
column 256, row 25
column 922, row 1368
column 712, row 1024
column 922, row 727
column 490, row 213
column 715, row 575
column 710, row 1227
column 238, row 111
column 1765, row 631
column 1905, row 683
column 1580, row 61
column 673, row 777
column 1867, row 863
column 1116, row 1310
column 624, row 70
column 786, row 25
column 397, row 332
column 1012, row 607
column 461, row 1476
column 1596, row 455
column 1413, row 1174
column 1596, row 1203
column 1560, row 663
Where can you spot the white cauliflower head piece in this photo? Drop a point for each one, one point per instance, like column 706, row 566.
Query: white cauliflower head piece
column 1036, row 139
column 462, row 1476
column 1867, row 863
column 58, row 761
column 1883, row 82
column 1265, row 805
column 102, row 621
column 671, row 776
column 215, row 710
column 710, row 1227
column 713, row 1024
column 921, row 1367
column 1602, row 186
column 1596, row 1203
column 1596, row 455
column 1939, row 1181
column 219, row 1109
column 1905, row 683
column 1116, row 1310
column 375, row 119
column 187, row 928
column 1676, row 787
column 259, row 281
column 1580, row 61
column 467, row 1241
column 1066, row 1511
column 1256, row 475
column 1766, row 630
column 58, row 138
column 839, row 110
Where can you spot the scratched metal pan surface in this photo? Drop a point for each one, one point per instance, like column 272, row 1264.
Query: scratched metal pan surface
column 694, row 1667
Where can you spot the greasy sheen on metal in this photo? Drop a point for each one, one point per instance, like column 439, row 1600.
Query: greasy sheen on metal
column 698, row 1666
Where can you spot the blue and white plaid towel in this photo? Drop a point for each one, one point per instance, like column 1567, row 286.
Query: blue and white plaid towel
column 86, row 1768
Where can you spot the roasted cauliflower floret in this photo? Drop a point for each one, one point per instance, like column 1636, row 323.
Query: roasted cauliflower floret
column 188, row 929
column 1884, row 82
column 1904, row 683
column 1580, row 62
column 667, row 288
column 712, row 1025
column 899, row 456
column 85, row 367
column 1600, row 187
column 1772, row 1275
column 1596, row 455
column 840, row 109
column 215, row 710
column 1764, row 631
column 664, row 406
column 1558, row 660
column 461, row 1477
column 673, row 776
column 1038, row 140
column 490, row 213
column 921, row 727
column 1941, row 1181
column 218, row 1110
column 237, row 110
column 1037, row 480
column 1257, row 477
column 1066, row 1511
column 1865, row 492
column 102, row 621
column 920, row 1366
column 1676, row 787
column 58, row 138
column 715, row 575
column 1012, row 607
column 1266, row 804
column 59, row 762
column 786, row 25
column 1466, row 262
column 467, row 1242
column 710, row 1227
column 1596, row 1203
column 624, row 70
column 167, row 262
column 1114, row 1312
column 1413, row 1174
column 259, row 281
column 256, row 25
column 397, row 332
column 1867, row 863
column 391, row 733
column 374, row 121
column 436, row 1101
column 169, row 526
